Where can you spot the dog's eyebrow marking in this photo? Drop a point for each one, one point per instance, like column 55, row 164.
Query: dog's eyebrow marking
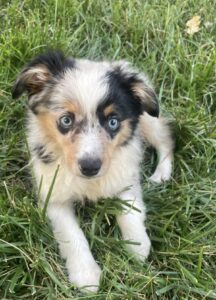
column 46, row 158
column 108, row 110
column 70, row 106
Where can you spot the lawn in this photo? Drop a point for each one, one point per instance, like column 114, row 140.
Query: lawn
column 181, row 214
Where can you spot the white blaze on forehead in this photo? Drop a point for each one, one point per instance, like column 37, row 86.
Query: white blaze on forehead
column 86, row 84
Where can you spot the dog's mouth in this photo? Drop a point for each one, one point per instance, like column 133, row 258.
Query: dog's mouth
column 90, row 177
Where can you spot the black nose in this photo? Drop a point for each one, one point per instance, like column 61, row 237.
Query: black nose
column 89, row 167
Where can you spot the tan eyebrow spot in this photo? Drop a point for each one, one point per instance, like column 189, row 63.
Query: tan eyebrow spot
column 72, row 107
column 108, row 110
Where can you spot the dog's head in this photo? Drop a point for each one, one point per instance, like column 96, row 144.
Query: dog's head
column 86, row 110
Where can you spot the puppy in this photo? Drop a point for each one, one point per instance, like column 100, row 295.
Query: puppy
column 86, row 125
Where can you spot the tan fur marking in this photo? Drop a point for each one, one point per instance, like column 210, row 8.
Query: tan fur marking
column 60, row 143
column 124, row 133
column 71, row 106
column 108, row 110
column 144, row 93
column 120, row 138
column 140, row 91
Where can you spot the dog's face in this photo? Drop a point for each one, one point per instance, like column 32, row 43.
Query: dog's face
column 85, row 110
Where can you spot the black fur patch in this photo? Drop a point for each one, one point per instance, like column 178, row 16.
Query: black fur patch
column 128, row 81
column 55, row 61
column 46, row 158
column 121, row 96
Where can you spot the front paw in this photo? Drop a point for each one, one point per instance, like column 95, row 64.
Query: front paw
column 85, row 274
column 162, row 173
column 141, row 247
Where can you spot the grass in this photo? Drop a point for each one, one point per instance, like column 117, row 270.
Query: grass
column 181, row 214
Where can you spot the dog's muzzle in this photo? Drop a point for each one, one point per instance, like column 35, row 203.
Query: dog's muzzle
column 90, row 167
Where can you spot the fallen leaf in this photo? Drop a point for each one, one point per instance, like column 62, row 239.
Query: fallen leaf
column 193, row 25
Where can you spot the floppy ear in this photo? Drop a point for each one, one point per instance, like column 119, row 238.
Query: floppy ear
column 139, row 86
column 39, row 72
column 31, row 80
column 147, row 97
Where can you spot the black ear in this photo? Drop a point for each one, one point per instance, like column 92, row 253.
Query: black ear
column 140, row 87
column 39, row 72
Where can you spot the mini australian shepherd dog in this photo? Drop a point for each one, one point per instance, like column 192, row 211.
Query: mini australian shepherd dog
column 87, row 124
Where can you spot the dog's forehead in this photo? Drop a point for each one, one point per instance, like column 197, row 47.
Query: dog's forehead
column 85, row 84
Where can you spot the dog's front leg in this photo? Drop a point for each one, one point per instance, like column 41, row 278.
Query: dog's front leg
column 131, row 223
column 82, row 268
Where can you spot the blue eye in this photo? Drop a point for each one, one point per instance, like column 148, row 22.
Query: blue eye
column 66, row 121
column 113, row 124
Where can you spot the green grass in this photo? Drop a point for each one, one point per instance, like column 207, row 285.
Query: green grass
column 181, row 214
